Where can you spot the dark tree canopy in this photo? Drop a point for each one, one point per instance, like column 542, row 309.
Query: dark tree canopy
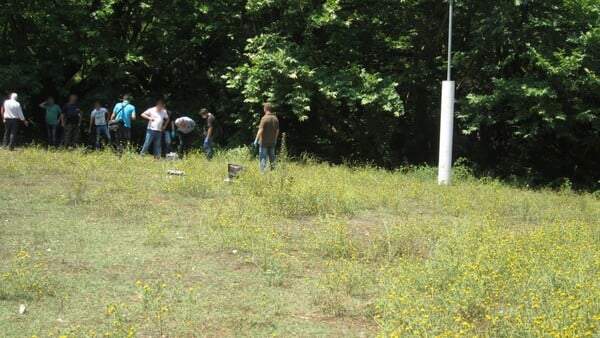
column 352, row 80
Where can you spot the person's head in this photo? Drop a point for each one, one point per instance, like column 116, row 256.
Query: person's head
column 160, row 105
column 268, row 107
column 14, row 96
column 72, row 99
column 97, row 105
column 50, row 100
column 126, row 98
column 204, row 113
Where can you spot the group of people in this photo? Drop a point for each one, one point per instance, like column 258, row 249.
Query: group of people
column 162, row 127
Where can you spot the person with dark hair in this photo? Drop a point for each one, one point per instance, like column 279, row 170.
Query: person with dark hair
column 266, row 138
column 98, row 119
column 70, row 120
column 156, row 117
column 12, row 116
column 210, row 132
column 186, row 127
column 51, row 116
column 125, row 112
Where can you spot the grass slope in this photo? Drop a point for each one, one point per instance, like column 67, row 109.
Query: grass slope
column 94, row 245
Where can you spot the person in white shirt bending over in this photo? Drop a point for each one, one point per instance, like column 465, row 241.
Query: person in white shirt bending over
column 186, row 127
column 12, row 116
column 157, row 121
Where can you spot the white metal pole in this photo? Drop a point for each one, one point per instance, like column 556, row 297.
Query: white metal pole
column 446, row 133
column 447, row 114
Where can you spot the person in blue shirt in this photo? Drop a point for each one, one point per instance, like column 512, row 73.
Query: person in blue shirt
column 51, row 116
column 125, row 112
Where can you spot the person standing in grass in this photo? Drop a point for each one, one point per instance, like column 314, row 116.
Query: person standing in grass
column 157, row 118
column 266, row 137
column 70, row 120
column 12, row 116
column 169, row 132
column 210, row 132
column 98, row 118
column 186, row 127
column 125, row 112
column 51, row 116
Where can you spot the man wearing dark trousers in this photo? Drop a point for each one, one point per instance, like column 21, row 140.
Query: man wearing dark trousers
column 12, row 116
column 125, row 112
column 70, row 120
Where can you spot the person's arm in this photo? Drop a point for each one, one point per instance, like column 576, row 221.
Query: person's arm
column 259, row 134
column 2, row 113
column 43, row 104
column 166, row 124
column 91, row 121
column 146, row 115
column 106, row 116
column 261, row 127
column 257, row 140
column 133, row 114
column 21, row 116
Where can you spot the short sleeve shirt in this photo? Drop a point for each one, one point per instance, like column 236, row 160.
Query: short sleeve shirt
column 270, row 125
column 185, row 124
column 158, row 116
column 124, row 111
column 99, row 116
column 51, row 115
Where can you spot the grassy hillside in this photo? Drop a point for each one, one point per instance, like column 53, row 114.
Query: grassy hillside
column 94, row 245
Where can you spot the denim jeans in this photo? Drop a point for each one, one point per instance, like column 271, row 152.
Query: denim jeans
column 208, row 148
column 11, row 128
column 51, row 130
column 152, row 137
column 168, row 141
column 263, row 152
column 102, row 131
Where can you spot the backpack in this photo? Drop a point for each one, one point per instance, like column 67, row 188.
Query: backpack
column 71, row 114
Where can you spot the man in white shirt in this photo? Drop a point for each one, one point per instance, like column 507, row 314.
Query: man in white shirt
column 157, row 121
column 12, row 116
column 186, row 127
column 98, row 119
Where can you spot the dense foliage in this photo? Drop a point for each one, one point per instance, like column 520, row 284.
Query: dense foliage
column 352, row 80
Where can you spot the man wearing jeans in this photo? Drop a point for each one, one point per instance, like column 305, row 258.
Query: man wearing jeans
column 210, row 132
column 12, row 116
column 125, row 112
column 266, row 138
column 157, row 120
column 52, row 113
column 98, row 119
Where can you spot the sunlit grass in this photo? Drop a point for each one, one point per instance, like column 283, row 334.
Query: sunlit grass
column 96, row 245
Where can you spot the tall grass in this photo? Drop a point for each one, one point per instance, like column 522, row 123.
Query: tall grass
column 98, row 245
